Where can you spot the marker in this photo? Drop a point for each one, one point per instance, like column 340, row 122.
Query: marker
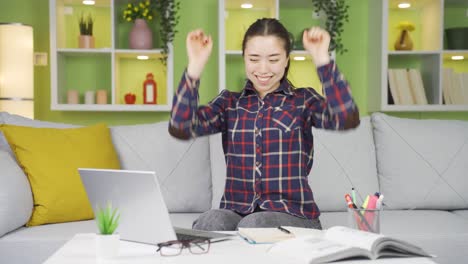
column 364, row 205
column 349, row 201
column 379, row 201
column 353, row 194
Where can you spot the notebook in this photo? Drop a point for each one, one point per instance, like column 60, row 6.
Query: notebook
column 144, row 217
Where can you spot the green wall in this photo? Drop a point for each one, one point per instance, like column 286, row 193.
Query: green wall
column 194, row 14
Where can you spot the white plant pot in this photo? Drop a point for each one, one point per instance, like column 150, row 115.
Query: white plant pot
column 107, row 246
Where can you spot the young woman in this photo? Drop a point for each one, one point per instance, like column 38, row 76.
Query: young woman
column 266, row 128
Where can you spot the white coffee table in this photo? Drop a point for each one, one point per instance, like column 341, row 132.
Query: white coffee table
column 81, row 249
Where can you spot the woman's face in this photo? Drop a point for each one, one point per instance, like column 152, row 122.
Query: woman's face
column 265, row 62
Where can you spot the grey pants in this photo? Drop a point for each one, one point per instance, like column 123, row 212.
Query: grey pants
column 227, row 220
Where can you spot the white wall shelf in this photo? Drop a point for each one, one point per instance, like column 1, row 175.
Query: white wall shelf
column 429, row 55
column 111, row 66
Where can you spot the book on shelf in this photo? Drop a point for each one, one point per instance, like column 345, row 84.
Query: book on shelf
column 447, row 85
column 403, row 87
column 454, row 87
column 393, row 87
column 417, row 86
column 339, row 243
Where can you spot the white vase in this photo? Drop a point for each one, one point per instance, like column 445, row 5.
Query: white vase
column 107, row 246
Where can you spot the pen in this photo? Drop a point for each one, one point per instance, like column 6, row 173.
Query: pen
column 284, row 230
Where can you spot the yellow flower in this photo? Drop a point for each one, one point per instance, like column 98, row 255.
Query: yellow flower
column 147, row 2
column 150, row 17
column 129, row 5
column 129, row 19
column 135, row 8
column 406, row 25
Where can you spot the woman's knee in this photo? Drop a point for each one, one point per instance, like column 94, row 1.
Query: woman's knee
column 217, row 220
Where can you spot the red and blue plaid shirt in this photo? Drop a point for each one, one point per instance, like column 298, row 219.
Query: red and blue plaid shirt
column 268, row 143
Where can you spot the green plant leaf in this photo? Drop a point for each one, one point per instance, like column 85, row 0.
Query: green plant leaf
column 107, row 219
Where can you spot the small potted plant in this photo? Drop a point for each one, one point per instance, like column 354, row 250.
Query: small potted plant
column 86, row 39
column 107, row 241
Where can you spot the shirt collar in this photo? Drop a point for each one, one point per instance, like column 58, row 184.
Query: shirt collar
column 284, row 88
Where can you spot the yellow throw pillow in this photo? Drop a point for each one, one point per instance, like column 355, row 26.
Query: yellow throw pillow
column 50, row 157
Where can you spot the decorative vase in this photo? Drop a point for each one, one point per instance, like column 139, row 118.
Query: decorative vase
column 404, row 41
column 107, row 246
column 141, row 36
column 86, row 42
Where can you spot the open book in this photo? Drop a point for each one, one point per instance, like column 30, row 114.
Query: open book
column 338, row 243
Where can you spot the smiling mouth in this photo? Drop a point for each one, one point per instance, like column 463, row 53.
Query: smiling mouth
column 263, row 79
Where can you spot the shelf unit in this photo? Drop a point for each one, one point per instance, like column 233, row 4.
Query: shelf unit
column 429, row 55
column 233, row 21
column 110, row 66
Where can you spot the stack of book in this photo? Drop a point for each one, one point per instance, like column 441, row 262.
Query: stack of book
column 455, row 87
column 406, row 87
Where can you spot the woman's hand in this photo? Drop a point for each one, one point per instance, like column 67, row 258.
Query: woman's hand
column 199, row 46
column 316, row 41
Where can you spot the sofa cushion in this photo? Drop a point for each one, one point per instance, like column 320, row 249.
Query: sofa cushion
column 218, row 169
column 182, row 167
column 342, row 160
column 50, row 158
column 6, row 118
column 462, row 213
column 16, row 202
column 422, row 163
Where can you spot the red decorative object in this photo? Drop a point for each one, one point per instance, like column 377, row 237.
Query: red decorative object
column 150, row 90
column 130, row 98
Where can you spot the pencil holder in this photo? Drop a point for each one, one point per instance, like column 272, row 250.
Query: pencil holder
column 364, row 219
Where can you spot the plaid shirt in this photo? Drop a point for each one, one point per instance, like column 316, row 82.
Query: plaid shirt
column 268, row 143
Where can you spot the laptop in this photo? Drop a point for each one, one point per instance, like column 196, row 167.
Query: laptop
column 144, row 217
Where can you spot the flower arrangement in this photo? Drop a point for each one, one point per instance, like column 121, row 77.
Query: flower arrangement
column 86, row 25
column 142, row 10
column 406, row 25
column 164, row 11
column 107, row 219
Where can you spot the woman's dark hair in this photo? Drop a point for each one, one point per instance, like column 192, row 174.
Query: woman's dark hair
column 269, row 27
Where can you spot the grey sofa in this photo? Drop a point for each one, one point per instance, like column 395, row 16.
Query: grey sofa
column 421, row 166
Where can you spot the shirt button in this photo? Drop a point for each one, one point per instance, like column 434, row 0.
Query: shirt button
column 258, row 163
column 256, row 131
column 260, row 115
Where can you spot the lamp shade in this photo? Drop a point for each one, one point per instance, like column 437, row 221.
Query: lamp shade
column 16, row 69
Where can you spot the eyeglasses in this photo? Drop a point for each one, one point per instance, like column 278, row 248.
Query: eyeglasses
column 174, row 247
